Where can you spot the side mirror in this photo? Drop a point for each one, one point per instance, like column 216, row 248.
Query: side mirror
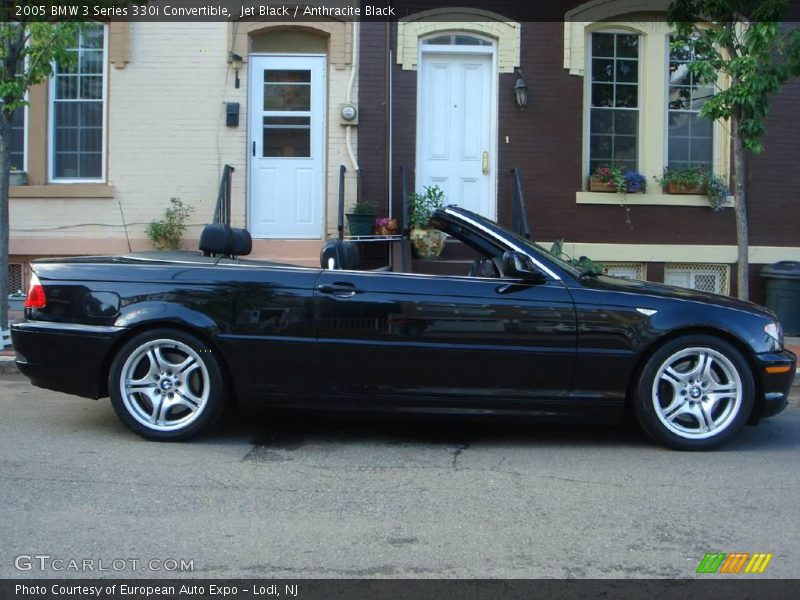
column 519, row 265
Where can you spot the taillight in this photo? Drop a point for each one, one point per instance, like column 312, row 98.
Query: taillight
column 35, row 297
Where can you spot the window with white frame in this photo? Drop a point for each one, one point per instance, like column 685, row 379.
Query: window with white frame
column 689, row 136
column 705, row 278
column 77, row 110
column 614, row 103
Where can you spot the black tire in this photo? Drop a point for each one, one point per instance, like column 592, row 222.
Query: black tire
column 702, row 401
column 173, row 377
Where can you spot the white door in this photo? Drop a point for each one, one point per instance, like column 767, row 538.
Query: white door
column 286, row 146
column 456, row 129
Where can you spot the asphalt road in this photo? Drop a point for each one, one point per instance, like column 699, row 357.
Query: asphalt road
column 303, row 496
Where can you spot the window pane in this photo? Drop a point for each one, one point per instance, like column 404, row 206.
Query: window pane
column 627, row 71
column 285, row 76
column 66, row 165
column 91, row 87
column 66, row 87
column 287, row 136
column 602, row 70
column 286, row 96
column 91, row 62
column 602, row 121
column 602, row 94
column 625, row 122
column 627, row 45
column 603, row 44
column 627, row 96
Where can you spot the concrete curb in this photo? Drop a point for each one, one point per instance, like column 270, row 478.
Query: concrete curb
column 7, row 365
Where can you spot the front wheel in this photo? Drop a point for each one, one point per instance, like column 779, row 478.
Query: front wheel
column 166, row 385
column 695, row 393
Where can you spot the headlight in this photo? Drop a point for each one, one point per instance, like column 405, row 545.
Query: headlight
column 775, row 331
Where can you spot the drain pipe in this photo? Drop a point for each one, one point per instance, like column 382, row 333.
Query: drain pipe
column 348, row 133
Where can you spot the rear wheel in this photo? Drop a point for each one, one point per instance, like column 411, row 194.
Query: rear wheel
column 695, row 393
column 166, row 385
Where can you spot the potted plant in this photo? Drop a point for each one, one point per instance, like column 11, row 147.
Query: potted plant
column 615, row 179
column 695, row 180
column 385, row 226
column 361, row 218
column 426, row 242
column 17, row 177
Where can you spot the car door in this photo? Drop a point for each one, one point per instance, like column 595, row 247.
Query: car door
column 446, row 338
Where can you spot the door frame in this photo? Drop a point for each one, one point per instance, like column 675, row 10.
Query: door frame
column 251, row 139
column 428, row 49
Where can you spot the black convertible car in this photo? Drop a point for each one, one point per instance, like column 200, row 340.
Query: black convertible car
column 173, row 338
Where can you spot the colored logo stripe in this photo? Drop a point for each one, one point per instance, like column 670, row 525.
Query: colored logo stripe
column 720, row 562
column 758, row 563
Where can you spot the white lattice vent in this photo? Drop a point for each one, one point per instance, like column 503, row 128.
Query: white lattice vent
column 704, row 278
column 626, row 270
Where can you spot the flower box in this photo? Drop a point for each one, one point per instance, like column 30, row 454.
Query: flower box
column 679, row 188
column 597, row 185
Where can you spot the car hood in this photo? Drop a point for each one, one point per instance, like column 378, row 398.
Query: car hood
column 660, row 290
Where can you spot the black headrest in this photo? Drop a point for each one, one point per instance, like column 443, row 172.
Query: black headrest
column 241, row 242
column 338, row 254
column 221, row 239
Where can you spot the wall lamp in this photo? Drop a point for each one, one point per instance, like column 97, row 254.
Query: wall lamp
column 236, row 63
column 521, row 90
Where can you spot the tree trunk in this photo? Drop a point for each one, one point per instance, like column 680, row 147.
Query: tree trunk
column 5, row 166
column 740, row 209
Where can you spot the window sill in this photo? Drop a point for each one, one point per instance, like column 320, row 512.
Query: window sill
column 63, row 190
column 653, row 199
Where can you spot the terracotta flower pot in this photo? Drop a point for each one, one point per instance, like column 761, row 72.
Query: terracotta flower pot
column 596, row 185
column 427, row 243
column 677, row 188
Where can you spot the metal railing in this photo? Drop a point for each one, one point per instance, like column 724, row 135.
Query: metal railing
column 340, row 224
column 222, row 211
column 519, row 210
column 404, row 226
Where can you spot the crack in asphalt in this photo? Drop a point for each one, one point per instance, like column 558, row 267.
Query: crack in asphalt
column 456, row 452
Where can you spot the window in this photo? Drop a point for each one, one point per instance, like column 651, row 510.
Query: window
column 77, row 110
column 287, row 91
column 456, row 39
column 704, row 278
column 17, row 143
column 690, row 140
column 614, row 106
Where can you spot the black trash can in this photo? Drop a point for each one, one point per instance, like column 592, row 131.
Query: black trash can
column 783, row 293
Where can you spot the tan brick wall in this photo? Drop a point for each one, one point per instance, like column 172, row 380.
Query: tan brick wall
column 167, row 138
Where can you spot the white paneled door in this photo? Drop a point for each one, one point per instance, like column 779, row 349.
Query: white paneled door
column 286, row 146
column 456, row 129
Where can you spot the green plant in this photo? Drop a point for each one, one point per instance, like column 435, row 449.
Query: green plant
column 586, row 265
column 363, row 207
column 695, row 177
column 750, row 44
column 424, row 205
column 625, row 181
column 166, row 233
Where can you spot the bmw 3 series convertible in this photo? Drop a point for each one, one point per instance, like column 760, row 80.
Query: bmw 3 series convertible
column 173, row 338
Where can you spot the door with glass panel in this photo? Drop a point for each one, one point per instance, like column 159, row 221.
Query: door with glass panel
column 286, row 146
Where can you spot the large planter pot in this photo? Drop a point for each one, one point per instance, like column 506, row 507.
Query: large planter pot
column 677, row 188
column 595, row 185
column 427, row 243
column 18, row 178
column 360, row 224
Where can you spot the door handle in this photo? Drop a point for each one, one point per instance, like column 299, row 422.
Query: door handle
column 254, row 148
column 485, row 162
column 340, row 290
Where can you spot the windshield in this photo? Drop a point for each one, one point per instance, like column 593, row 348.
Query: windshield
column 524, row 244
